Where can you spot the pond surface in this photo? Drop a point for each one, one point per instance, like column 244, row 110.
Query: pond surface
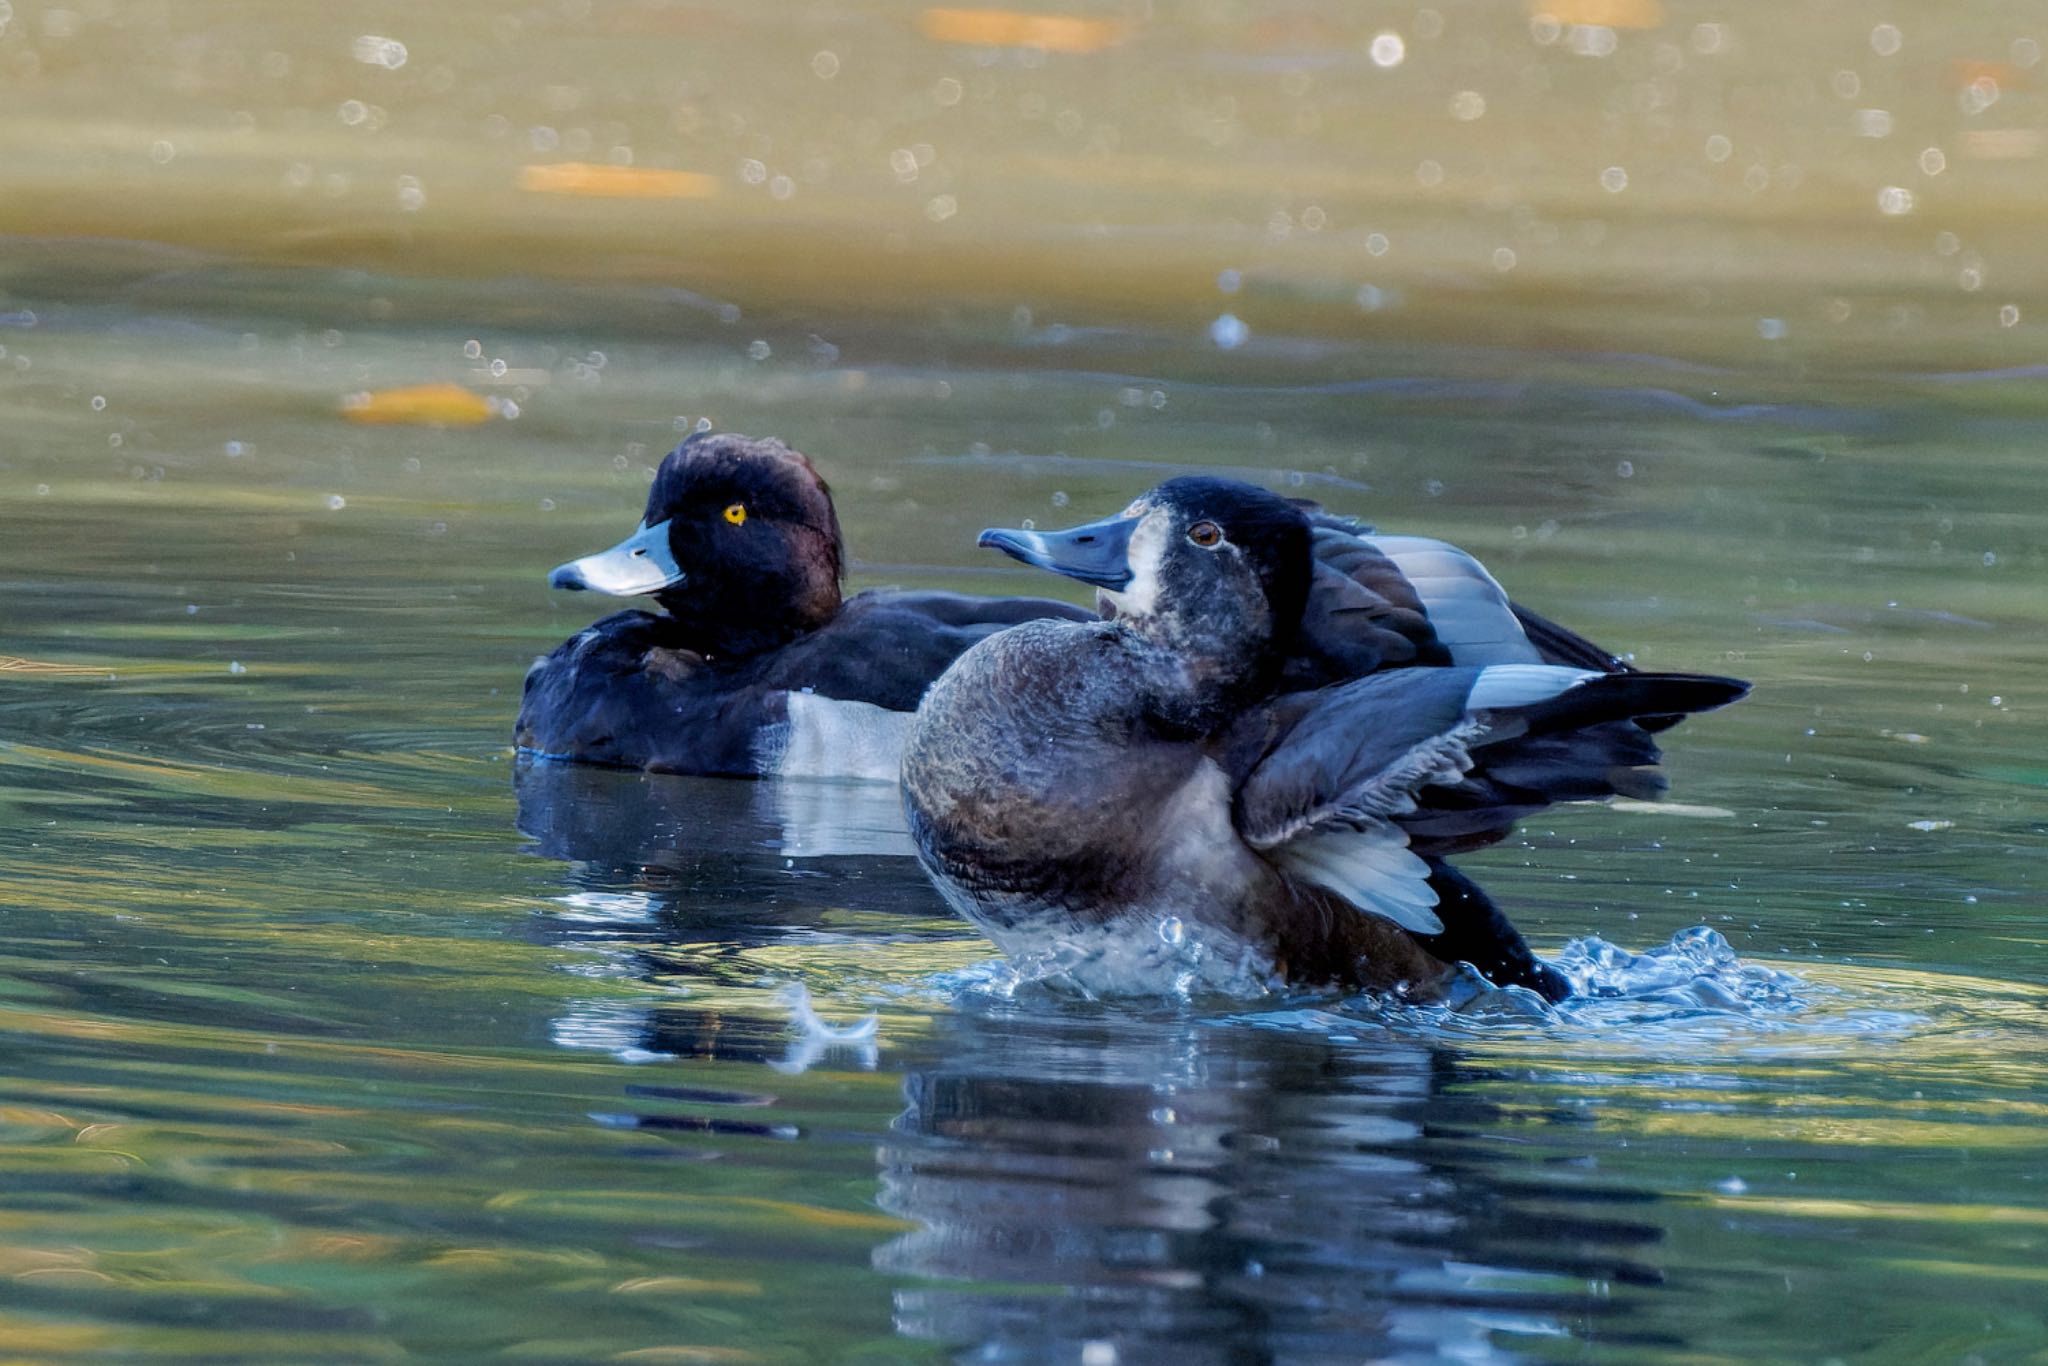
column 332, row 1036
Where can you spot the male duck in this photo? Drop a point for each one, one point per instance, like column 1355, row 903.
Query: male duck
column 755, row 666
column 1146, row 791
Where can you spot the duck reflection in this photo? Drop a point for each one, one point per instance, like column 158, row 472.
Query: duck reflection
column 1125, row 1191
column 675, row 879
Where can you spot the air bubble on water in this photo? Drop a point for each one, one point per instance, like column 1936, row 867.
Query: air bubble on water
column 1388, row 50
column 1229, row 281
column 825, row 65
column 703, row 424
column 1614, row 179
column 1172, row 931
column 1770, row 329
column 1733, row 1185
column 473, row 349
column 412, row 197
column 161, row 151
column 235, row 450
column 1504, row 259
column 1886, row 40
column 1626, row 469
column 335, row 502
column 753, row 172
column 759, row 350
column 1894, row 200
column 2009, row 315
column 235, row 666
column 781, row 187
column 1429, row 174
column 1229, row 331
column 1592, row 40
column 1376, row 244
column 1059, row 498
column 42, row 490
column 1468, row 105
column 1873, row 123
column 1933, row 161
column 1719, row 148
column 1434, row 488
column 115, row 440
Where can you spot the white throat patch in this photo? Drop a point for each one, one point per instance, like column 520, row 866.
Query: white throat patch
column 1145, row 554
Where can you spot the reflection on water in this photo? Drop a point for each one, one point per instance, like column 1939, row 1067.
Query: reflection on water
column 1186, row 1192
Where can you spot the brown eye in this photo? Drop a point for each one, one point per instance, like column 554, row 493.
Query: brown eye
column 737, row 514
column 1206, row 534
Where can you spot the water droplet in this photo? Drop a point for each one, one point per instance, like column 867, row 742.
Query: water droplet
column 161, row 151
column 1873, row 123
column 1733, row 1185
column 1626, row 469
column 335, row 502
column 1429, row 174
column 353, row 112
column 1885, row 40
column 372, row 50
column 1388, row 50
column 1894, row 200
column 1719, row 148
column 235, row 666
column 947, row 92
column 825, row 65
column 1933, row 161
column 1468, row 105
column 1376, row 244
column 1504, row 259
column 759, row 350
column 1770, row 329
column 941, row 207
column 412, row 197
column 1059, row 498
column 1171, row 931
column 1990, row 558
column 1614, row 180
column 2009, row 316
column 99, row 403
column 753, row 172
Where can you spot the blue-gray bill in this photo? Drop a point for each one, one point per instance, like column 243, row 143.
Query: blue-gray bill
column 642, row 563
column 1098, row 553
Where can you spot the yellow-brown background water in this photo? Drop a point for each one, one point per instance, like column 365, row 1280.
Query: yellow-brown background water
column 1715, row 330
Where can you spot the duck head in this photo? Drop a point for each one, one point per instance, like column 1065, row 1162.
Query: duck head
column 739, row 544
column 1214, row 571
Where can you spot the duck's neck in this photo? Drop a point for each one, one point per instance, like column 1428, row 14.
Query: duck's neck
column 1194, row 681
column 722, row 634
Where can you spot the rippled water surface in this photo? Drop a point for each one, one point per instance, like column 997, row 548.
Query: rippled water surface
column 332, row 1035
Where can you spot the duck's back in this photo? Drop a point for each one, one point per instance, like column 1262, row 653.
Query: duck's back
column 626, row 691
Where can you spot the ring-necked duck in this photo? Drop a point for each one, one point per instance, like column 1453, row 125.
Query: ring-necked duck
column 1145, row 793
column 754, row 666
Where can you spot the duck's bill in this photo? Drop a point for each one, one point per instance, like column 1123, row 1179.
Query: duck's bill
column 642, row 563
column 1099, row 553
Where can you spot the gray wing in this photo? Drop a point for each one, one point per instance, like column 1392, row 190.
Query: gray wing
column 1354, row 784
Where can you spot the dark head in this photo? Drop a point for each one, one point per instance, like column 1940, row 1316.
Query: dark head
column 1214, row 569
column 739, row 544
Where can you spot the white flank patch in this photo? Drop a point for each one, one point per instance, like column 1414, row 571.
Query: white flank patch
column 827, row 738
column 1522, row 685
column 1372, row 869
column 1468, row 608
column 1145, row 553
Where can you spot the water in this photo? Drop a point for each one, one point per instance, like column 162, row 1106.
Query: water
column 330, row 1036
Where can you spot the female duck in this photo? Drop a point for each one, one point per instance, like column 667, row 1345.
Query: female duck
column 754, row 665
column 1140, row 793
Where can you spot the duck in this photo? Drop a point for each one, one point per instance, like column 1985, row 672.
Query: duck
column 755, row 665
column 1254, row 766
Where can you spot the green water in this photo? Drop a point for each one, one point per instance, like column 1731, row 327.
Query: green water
column 329, row 1037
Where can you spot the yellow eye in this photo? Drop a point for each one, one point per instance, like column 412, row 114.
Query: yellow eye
column 736, row 514
column 1205, row 534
